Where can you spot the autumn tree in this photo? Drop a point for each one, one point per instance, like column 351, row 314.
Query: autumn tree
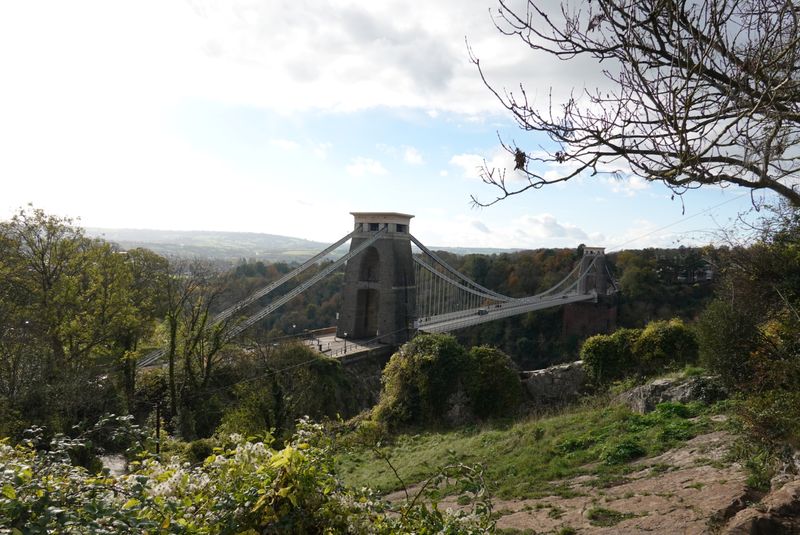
column 700, row 93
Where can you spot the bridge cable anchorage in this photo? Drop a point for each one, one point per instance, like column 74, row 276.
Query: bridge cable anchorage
column 157, row 354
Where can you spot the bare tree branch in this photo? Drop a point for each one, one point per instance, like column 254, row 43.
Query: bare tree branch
column 705, row 92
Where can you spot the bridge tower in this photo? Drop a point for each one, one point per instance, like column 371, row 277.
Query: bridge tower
column 598, row 316
column 379, row 293
column 593, row 263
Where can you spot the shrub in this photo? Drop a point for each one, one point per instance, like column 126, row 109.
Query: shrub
column 295, row 381
column 419, row 379
column 609, row 357
column 493, row 385
column 621, row 452
column 773, row 415
column 248, row 488
column 726, row 336
column 665, row 344
column 199, row 450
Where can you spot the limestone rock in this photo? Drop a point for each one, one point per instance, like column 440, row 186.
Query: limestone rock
column 645, row 398
column 555, row 385
column 777, row 514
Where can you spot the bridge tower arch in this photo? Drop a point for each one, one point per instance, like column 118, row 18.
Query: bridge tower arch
column 379, row 293
column 593, row 273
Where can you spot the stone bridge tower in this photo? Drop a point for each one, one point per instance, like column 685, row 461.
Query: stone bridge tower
column 592, row 317
column 593, row 264
column 379, row 294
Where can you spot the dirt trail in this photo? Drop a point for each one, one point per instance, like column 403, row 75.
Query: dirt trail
column 687, row 490
column 684, row 491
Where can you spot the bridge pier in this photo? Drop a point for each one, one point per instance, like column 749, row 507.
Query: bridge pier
column 593, row 265
column 589, row 318
column 379, row 293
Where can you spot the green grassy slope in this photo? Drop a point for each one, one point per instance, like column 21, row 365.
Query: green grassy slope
column 529, row 458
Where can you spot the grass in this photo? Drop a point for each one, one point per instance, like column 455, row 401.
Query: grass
column 532, row 458
column 599, row 516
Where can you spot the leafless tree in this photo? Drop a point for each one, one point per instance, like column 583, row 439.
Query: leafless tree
column 704, row 92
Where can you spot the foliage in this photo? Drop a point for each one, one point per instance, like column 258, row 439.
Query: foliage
column 622, row 452
column 609, row 357
column 701, row 93
column 750, row 335
column 493, row 384
column 665, row 344
column 773, row 415
column 660, row 346
column 248, row 487
column 421, row 379
column 72, row 311
column 726, row 337
column 282, row 384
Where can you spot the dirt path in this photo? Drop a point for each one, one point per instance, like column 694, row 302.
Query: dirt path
column 688, row 490
column 684, row 491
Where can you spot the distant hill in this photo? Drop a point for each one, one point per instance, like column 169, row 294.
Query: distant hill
column 215, row 245
column 232, row 246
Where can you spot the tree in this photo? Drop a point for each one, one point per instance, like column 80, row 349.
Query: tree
column 192, row 291
column 704, row 92
column 69, row 310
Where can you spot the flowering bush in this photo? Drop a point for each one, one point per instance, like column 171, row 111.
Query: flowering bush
column 247, row 488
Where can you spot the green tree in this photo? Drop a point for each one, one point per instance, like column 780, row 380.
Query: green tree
column 607, row 357
column 430, row 374
column 67, row 297
column 419, row 379
column 195, row 341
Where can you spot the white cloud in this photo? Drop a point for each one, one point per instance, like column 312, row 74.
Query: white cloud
column 628, row 185
column 412, row 156
column 499, row 162
column 321, row 150
column 284, row 144
column 531, row 231
column 470, row 164
column 546, row 226
column 283, row 54
column 365, row 166
column 481, row 227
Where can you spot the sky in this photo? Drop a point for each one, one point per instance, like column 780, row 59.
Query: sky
column 284, row 116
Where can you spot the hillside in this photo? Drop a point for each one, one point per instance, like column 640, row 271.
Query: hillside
column 232, row 246
column 214, row 245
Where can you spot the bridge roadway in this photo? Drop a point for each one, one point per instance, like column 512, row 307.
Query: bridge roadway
column 468, row 318
column 332, row 346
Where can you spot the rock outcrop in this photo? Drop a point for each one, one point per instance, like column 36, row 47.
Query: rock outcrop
column 645, row 398
column 556, row 385
column 777, row 514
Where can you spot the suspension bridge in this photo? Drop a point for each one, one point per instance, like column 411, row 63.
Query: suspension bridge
column 390, row 293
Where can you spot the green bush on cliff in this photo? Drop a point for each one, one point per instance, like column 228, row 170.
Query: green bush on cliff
column 422, row 377
column 665, row 344
column 607, row 357
column 493, row 387
column 659, row 346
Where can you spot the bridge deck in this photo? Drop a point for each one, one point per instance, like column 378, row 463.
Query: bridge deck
column 332, row 346
column 468, row 318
